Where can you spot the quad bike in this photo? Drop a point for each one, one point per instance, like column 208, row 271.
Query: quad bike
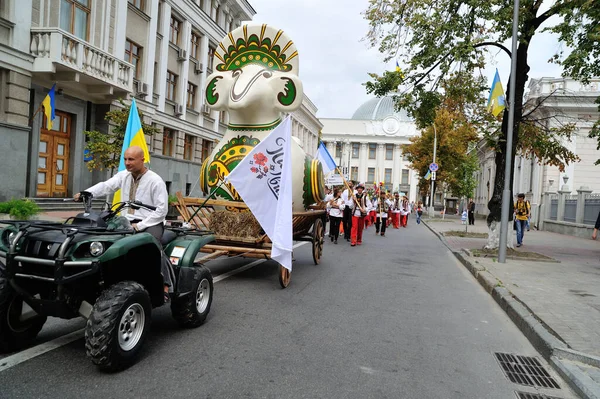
column 94, row 265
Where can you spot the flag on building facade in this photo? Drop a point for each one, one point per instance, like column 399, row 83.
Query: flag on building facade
column 325, row 158
column 496, row 100
column 49, row 107
column 427, row 175
column 264, row 181
column 134, row 136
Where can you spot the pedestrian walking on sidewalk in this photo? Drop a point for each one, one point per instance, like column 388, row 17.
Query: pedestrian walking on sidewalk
column 471, row 208
column 419, row 212
column 522, row 210
column 596, row 227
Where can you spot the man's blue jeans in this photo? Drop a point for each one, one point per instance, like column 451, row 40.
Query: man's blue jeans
column 520, row 230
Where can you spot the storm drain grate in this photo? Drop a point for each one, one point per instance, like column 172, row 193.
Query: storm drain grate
column 525, row 370
column 527, row 395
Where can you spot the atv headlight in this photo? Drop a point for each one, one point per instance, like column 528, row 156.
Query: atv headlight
column 96, row 248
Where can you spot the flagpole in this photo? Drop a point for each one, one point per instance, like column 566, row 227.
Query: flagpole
column 206, row 200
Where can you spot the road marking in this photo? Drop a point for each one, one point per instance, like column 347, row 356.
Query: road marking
column 13, row 360
column 28, row 354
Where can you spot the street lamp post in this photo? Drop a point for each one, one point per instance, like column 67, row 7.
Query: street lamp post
column 509, row 139
column 431, row 208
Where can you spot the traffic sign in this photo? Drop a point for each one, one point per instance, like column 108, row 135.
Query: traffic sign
column 433, row 167
column 433, row 176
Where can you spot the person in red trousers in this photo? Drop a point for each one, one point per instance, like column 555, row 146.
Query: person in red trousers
column 358, row 216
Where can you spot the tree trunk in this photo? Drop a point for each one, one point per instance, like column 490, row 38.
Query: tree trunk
column 495, row 203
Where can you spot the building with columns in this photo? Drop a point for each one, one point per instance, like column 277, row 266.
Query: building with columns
column 367, row 147
column 100, row 51
column 557, row 101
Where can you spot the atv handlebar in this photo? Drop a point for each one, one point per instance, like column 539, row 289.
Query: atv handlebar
column 138, row 204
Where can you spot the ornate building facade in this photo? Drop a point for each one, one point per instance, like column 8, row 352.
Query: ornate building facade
column 100, row 51
column 557, row 101
column 367, row 147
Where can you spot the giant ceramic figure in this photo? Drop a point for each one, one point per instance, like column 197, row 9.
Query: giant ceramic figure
column 256, row 81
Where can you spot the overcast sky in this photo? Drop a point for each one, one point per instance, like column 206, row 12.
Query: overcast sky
column 335, row 61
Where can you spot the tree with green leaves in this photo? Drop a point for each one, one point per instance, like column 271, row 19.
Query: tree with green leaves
column 105, row 147
column 433, row 38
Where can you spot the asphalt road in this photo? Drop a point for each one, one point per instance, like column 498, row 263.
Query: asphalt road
column 397, row 317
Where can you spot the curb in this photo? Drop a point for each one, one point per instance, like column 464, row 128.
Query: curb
column 550, row 347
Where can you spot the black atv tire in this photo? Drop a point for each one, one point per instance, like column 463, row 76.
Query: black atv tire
column 192, row 309
column 112, row 340
column 14, row 334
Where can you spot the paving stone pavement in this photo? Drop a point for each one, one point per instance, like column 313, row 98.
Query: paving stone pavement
column 564, row 296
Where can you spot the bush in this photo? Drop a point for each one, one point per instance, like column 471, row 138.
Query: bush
column 20, row 209
column 173, row 199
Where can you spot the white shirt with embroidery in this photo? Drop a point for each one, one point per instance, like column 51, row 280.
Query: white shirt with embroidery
column 151, row 191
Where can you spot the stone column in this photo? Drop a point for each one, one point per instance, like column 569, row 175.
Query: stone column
column 581, row 193
column 184, row 67
column 397, row 169
column 562, row 197
column 163, row 56
column 380, row 157
column 362, row 162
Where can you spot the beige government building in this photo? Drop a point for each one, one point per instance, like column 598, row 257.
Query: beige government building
column 367, row 147
column 97, row 52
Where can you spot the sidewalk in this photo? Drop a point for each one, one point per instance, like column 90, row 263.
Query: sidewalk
column 555, row 304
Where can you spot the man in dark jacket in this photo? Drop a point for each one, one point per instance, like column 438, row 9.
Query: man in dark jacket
column 596, row 227
column 471, row 209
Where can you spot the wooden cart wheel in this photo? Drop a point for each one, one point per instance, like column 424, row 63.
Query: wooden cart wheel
column 317, row 240
column 284, row 276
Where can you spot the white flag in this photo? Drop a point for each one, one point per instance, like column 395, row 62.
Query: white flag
column 264, row 181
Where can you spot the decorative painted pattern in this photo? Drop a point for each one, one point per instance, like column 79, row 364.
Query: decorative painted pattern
column 255, row 49
column 313, row 189
column 225, row 160
column 257, row 128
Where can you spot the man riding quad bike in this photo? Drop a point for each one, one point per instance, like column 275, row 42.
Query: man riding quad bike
column 94, row 265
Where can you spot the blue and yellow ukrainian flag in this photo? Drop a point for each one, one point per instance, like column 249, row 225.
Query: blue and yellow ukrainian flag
column 399, row 70
column 134, row 136
column 49, row 107
column 427, row 175
column 496, row 101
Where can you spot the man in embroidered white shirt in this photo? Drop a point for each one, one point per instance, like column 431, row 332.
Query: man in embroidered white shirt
column 139, row 183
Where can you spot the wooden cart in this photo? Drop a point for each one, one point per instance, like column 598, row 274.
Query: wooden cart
column 307, row 226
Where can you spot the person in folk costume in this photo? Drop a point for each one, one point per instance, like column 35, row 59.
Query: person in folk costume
column 347, row 197
column 328, row 197
column 372, row 210
column 369, row 202
column 390, row 198
column 382, row 205
column 396, row 210
column 335, row 208
column 404, row 211
column 358, row 215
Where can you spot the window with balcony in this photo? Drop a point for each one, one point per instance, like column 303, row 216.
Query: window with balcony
column 405, row 176
column 211, row 56
column 195, row 45
column 171, row 86
column 355, row 150
column 389, row 152
column 174, row 31
column 139, row 4
column 191, row 95
column 354, row 173
column 371, row 175
column 133, row 55
column 168, row 138
column 74, row 17
column 188, row 147
column 372, row 150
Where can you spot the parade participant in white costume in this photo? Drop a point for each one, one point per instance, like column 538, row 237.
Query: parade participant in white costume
column 382, row 206
column 404, row 211
column 358, row 215
column 335, row 206
column 349, row 206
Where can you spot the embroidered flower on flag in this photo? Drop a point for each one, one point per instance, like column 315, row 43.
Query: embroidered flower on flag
column 261, row 169
column 260, row 158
